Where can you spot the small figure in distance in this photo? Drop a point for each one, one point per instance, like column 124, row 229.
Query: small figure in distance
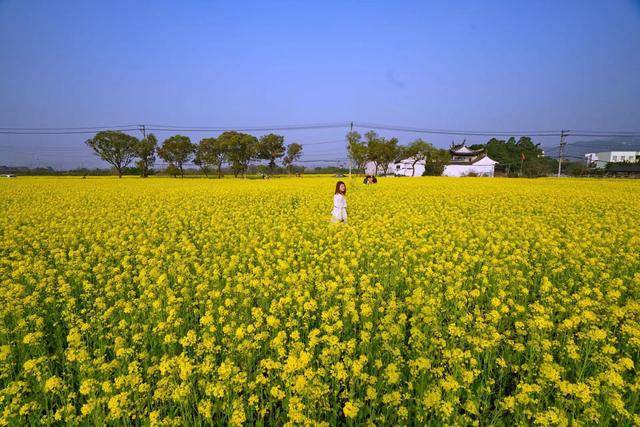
column 370, row 179
column 339, row 212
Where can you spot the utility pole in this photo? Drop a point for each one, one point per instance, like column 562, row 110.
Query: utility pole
column 563, row 134
column 348, row 153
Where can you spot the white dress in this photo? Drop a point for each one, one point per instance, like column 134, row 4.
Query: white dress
column 339, row 211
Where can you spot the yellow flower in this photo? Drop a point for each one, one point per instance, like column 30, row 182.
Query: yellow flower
column 236, row 301
column 392, row 373
column 52, row 384
column 351, row 409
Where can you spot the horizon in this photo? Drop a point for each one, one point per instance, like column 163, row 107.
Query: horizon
column 491, row 66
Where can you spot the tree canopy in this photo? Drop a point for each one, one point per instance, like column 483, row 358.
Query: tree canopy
column 521, row 156
column 294, row 152
column 114, row 147
column 241, row 149
column 210, row 152
column 177, row 150
column 417, row 150
column 381, row 151
column 271, row 147
column 145, row 151
column 356, row 150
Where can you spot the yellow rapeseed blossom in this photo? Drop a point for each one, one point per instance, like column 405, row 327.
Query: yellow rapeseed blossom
column 446, row 301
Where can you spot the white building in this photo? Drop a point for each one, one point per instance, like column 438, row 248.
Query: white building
column 601, row 159
column 401, row 168
column 481, row 166
column 406, row 167
column 465, row 161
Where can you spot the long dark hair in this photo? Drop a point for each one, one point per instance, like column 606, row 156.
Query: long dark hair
column 338, row 184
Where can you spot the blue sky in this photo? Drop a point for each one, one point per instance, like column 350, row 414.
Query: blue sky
column 500, row 65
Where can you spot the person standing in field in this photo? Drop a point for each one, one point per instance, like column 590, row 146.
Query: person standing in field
column 339, row 213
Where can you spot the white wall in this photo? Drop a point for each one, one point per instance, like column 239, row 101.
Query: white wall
column 463, row 170
column 624, row 156
column 370, row 169
column 605, row 157
column 449, row 170
column 405, row 169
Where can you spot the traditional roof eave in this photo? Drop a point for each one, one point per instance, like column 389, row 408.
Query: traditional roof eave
column 487, row 160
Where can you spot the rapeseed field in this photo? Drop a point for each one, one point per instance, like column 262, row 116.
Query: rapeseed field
column 468, row 301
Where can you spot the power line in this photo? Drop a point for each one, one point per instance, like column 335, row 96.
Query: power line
column 322, row 142
column 159, row 128
column 497, row 133
column 174, row 128
column 399, row 128
column 350, row 125
column 577, row 131
column 608, row 135
column 453, row 131
column 79, row 132
column 67, row 128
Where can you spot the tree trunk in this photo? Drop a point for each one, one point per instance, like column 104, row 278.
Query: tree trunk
column 413, row 168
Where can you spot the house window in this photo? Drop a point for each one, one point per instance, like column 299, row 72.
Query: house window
column 615, row 158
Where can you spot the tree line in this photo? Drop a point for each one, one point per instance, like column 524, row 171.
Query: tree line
column 235, row 149
column 521, row 157
column 238, row 150
column 382, row 152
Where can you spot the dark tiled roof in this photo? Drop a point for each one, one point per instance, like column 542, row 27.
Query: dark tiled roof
column 623, row 167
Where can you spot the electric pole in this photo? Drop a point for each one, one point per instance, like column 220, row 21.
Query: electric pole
column 563, row 134
column 348, row 152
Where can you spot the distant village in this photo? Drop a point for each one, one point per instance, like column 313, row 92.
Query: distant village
column 244, row 154
column 464, row 162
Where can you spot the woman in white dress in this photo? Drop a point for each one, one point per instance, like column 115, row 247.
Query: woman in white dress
column 339, row 212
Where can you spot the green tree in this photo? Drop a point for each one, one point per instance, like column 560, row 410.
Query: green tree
column 389, row 153
column 200, row 160
column 177, row 150
column 418, row 150
column 146, row 153
column 294, row 152
column 521, row 157
column 241, row 149
column 114, row 147
column 374, row 149
column 271, row 147
column 172, row 170
column 210, row 152
column 435, row 161
column 380, row 151
column 357, row 151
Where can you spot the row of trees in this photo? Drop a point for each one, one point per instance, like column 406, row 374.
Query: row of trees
column 382, row 152
column 520, row 157
column 236, row 149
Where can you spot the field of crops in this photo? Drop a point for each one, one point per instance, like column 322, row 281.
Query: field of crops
column 455, row 301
